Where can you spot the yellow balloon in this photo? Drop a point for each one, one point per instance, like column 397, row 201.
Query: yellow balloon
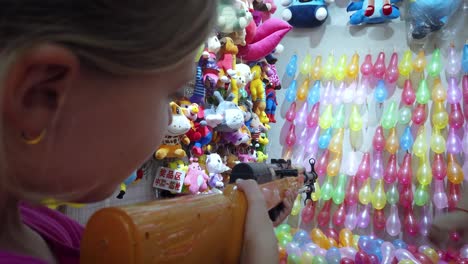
column 356, row 241
column 317, row 68
column 353, row 68
column 440, row 117
column 306, row 258
column 332, row 242
column 355, row 119
column 326, row 119
column 454, row 171
column 336, row 142
column 432, row 254
column 405, row 67
column 379, row 198
column 405, row 261
column 327, row 70
column 346, row 237
column 392, row 143
column 297, row 206
column 333, row 167
column 306, row 65
column 424, row 173
column 319, row 238
column 438, row 142
column 340, row 69
column 365, row 193
column 420, row 144
column 439, row 94
column 303, row 90
column 316, row 194
column 419, row 64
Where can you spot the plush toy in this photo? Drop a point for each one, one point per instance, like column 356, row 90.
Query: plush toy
column 178, row 165
column 271, row 104
column 261, row 157
column 266, row 39
column 427, row 16
column 227, row 117
column 242, row 72
column 305, row 14
column 189, row 109
column 171, row 145
column 242, row 136
column 215, row 166
column 210, row 71
column 261, row 16
column 133, row 178
column 256, row 126
column 200, row 134
column 246, row 158
column 264, row 119
column 359, row 17
column 237, row 87
column 227, row 59
column 232, row 16
column 198, row 95
column 196, row 177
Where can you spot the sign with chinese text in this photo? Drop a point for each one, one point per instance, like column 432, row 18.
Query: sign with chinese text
column 169, row 179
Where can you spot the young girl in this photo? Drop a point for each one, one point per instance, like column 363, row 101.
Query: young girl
column 84, row 90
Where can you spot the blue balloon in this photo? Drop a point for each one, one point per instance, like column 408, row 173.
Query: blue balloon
column 406, row 140
column 302, row 237
column 291, row 92
column 314, row 94
column 333, row 256
column 324, row 140
column 380, row 92
column 465, row 59
column 292, row 66
column 398, row 243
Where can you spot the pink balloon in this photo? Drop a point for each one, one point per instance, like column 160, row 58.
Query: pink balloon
column 331, row 232
column 363, row 218
column 303, row 136
column 321, row 166
column 313, row 117
column 351, row 217
column 379, row 219
column 362, row 258
column 405, row 172
column 454, row 144
column 367, row 67
column 308, row 212
column 291, row 137
column 291, row 113
column 419, row 114
column 454, row 196
column 379, row 66
column 377, row 168
column 378, row 142
column 454, row 94
column 393, row 225
column 391, row 76
column 301, row 116
column 312, row 144
column 352, row 193
column 406, row 196
column 439, row 197
column 348, row 252
column 439, row 166
column 323, row 217
column 425, row 220
column 456, row 118
column 390, row 173
column 284, row 132
column 465, row 88
column 339, row 216
column 363, row 171
column 465, row 139
column 411, row 226
column 408, row 96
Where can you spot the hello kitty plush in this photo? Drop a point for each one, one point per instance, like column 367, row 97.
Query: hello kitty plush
column 196, row 177
column 171, row 145
column 215, row 166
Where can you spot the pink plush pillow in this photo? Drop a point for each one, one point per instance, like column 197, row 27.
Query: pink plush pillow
column 268, row 36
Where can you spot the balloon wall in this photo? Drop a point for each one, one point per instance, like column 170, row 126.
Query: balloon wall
column 388, row 134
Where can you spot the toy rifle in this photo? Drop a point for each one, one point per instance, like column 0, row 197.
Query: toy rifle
column 203, row 228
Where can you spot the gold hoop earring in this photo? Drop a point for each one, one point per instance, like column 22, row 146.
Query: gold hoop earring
column 34, row 141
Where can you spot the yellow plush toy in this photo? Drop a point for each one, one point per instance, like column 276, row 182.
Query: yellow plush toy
column 257, row 90
column 171, row 146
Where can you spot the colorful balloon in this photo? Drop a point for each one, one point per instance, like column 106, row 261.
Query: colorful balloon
column 321, row 166
column 352, row 72
column 454, row 144
column 423, row 94
column 351, row 217
column 410, row 223
column 405, row 115
column 456, row 118
column 419, row 114
column 454, row 94
column 378, row 141
column 453, row 63
column 339, row 192
column 393, row 224
column 333, row 256
column 425, row 220
column 421, row 195
column 339, row 216
column 363, row 171
column 390, row 172
column 291, row 114
column 306, row 65
column 408, row 96
column 419, row 63
column 327, row 189
column 306, row 257
column 420, row 144
column 355, row 119
column 377, row 167
column 316, row 71
column 465, row 59
column 406, row 196
column 324, row 139
column 339, row 120
column 405, row 66
column 406, row 140
column 424, row 173
column 326, row 119
column 352, row 194
column 296, row 206
column 301, row 117
column 439, row 197
column 291, row 137
column 393, row 195
column 312, row 143
column 438, row 92
column 391, row 76
column 362, row 258
column 356, row 139
column 405, row 171
column 349, row 93
column 303, row 90
column 380, row 92
column 340, row 69
column 327, row 69
column 453, row 194
column 454, row 171
column 313, row 96
column 361, row 92
column 435, row 66
column 319, row 238
column 388, row 252
column 308, row 212
column 392, row 144
column 379, row 219
column 379, row 198
column 367, row 68
column 440, row 117
column 319, row 260
column 390, row 116
column 313, row 116
column 365, row 193
column 379, row 66
column 333, row 167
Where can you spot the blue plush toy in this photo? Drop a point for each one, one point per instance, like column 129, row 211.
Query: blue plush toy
column 305, row 13
column 359, row 17
column 427, row 16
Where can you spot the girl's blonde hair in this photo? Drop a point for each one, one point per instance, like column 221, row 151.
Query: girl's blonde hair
column 118, row 37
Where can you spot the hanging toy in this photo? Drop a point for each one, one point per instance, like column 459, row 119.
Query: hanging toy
column 196, row 178
column 227, row 58
column 200, row 133
column 227, row 117
column 133, row 178
column 365, row 11
column 271, row 104
column 215, row 166
column 210, row 70
column 302, row 14
column 171, row 145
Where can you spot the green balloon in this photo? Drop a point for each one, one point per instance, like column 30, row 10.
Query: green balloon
column 392, row 195
column 327, row 189
column 339, row 120
column 421, row 195
column 283, row 243
column 390, row 116
column 319, row 260
column 435, row 66
column 285, row 228
column 423, row 94
column 293, row 259
column 404, row 115
column 340, row 190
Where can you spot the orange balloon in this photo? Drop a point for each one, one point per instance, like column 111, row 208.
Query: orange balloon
column 319, row 238
column 332, row 242
column 454, row 171
column 392, row 144
column 346, row 237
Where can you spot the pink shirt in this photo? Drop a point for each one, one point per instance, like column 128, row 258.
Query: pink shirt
column 61, row 233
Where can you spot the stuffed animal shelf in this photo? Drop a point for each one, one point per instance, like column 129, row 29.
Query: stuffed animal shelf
column 305, row 14
column 171, row 146
column 377, row 16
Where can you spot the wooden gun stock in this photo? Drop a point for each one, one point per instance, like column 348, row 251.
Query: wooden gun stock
column 189, row 229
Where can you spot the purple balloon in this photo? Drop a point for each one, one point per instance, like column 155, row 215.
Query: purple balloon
column 388, row 252
column 310, row 247
column 312, row 144
column 348, row 252
column 405, row 254
column 363, row 218
column 351, row 218
column 454, row 144
column 454, row 94
column 464, row 251
column 425, row 220
column 439, row 197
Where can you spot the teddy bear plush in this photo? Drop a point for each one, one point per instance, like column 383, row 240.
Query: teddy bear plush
column 171, row 146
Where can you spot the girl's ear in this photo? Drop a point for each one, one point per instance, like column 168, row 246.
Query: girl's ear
column 35, row 86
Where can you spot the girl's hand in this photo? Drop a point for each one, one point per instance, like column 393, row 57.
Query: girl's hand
column 288, row 203
column 260, row 244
